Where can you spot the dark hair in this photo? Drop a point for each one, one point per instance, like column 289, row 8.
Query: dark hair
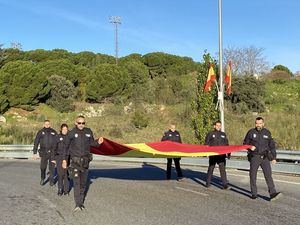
column 46, row 121
column 259, row 118
column 218, row 121
column 63, row 125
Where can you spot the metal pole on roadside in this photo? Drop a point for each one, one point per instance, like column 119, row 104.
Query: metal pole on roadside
column 221, row 88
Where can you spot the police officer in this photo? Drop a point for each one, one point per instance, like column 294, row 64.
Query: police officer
column 262, row 152
column 173, row 135
column 79, row 141
column 61, row 156
column 217, row 138
column 45, row 138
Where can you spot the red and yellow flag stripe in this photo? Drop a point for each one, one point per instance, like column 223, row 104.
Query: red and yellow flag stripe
column 163, row 149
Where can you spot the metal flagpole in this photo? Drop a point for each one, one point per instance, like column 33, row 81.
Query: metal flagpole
column 221, row 89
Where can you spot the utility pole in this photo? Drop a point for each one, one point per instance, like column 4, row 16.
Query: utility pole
column 116, row 20
column 221, row 88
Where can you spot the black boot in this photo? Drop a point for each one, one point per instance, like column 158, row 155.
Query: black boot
column 77, row 208
column 43, row 176
column 275, row 196
column 60, row 192
column 51, row 182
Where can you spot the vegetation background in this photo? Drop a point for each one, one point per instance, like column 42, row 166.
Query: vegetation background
column 136, row 100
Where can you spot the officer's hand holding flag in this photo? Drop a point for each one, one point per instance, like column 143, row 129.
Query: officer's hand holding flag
column 100, row 140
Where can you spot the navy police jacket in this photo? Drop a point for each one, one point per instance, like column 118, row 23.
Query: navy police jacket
column 216, row 138
column 80, row 141
column 171, row 136
column 45, row 138
column 60, row 147
column 262, row 140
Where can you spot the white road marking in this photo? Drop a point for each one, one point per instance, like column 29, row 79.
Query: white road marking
column 192, row 191
column 262, row 178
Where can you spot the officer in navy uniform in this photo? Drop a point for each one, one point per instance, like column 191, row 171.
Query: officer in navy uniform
column 79, row 141
column 262, row 152
column 61, row 158
column 173, row 135
column 45, row 138
column 217, row 138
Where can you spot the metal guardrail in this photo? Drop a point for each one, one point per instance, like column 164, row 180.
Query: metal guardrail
column 238, row 160
column 281, row 155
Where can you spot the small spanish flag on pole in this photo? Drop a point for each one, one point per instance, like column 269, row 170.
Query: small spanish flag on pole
column 228, row 78
column 210, row 78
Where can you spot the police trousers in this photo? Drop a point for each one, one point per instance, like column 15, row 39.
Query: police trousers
column 177, row 166
column 46, row 160
column 80, row 182
column 63, row 181
column 221, row 161
column 264, row 163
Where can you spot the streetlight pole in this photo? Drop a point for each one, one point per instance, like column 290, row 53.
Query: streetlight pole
column 116, row 20
column 221, row 89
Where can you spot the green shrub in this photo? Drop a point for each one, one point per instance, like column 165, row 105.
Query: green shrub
column 279, row 81
column 116, row 132
column 17, row 134
column 204, row 112
column 24, row 83
column 106, row 81
column 61, row 94
column 41, row 117
column 140, row 120
column 241, row 107
column 283, row 69
column 250, row 91
column 4, row 103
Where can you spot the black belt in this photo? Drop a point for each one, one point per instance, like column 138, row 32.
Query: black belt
column 261, row 156
column 45, row 151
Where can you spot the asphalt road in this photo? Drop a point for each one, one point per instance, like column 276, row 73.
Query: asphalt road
column 135, row 193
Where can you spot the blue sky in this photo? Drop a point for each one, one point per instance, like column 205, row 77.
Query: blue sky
column 181, row 27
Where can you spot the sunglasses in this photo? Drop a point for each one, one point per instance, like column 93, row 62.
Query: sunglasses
column 79, row 123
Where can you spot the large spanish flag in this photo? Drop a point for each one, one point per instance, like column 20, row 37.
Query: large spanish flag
column 164, row 149
column 210, row 78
